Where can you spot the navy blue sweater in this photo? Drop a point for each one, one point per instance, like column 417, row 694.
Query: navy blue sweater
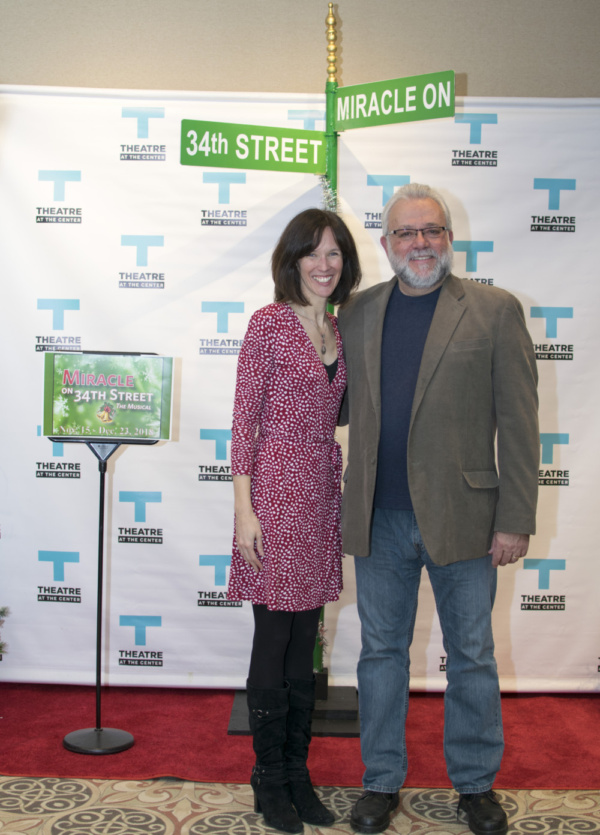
column 405, row 328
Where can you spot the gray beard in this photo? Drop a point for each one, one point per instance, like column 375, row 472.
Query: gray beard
column 402, row 269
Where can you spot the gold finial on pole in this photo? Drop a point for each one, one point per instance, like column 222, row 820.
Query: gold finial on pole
column 331, row 47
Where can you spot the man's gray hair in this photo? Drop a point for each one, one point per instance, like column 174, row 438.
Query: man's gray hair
column 414, row 191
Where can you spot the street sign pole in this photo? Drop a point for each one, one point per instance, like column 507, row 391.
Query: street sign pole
column 331, row 136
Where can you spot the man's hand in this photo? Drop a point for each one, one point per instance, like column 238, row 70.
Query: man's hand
column 508, row 547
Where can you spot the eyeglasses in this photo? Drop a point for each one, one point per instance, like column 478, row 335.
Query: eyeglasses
column 430, row 233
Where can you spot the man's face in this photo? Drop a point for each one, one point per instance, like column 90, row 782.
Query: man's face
column 420, row 264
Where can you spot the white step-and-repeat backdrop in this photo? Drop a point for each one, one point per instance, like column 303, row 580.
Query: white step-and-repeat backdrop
column 109, row 243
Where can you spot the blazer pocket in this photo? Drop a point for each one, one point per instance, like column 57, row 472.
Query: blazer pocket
column 482, row 479
column 471, row 344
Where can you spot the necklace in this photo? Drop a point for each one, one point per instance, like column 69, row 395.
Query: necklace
column 321, row 333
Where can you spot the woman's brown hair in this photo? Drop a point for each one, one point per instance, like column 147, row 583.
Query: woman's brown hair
column 302, row 236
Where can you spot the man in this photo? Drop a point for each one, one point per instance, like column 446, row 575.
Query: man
column 438, row 367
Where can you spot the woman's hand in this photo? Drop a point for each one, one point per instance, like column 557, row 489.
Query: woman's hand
column 247, row 534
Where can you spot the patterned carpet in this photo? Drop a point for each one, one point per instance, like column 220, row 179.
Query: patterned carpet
column 53, row 806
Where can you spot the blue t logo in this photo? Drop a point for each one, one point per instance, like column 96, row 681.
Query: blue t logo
column 388, row 182
column 139, row 499
column 140, row 623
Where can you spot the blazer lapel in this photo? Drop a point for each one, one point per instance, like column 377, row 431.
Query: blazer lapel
column 448, row 312
column 374, row 315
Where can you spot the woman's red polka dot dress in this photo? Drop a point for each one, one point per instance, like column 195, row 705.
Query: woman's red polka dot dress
column 284, row 419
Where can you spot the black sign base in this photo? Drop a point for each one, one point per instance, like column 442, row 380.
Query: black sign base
column 98, row 741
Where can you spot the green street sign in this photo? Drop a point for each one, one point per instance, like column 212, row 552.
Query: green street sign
column 226, row 145
column 411, row 99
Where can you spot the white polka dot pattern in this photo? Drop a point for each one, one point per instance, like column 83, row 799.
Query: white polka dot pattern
column 284, row 419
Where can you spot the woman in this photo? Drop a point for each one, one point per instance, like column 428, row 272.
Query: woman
column 286, row 470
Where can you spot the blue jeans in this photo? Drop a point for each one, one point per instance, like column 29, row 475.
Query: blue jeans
column 387, row 585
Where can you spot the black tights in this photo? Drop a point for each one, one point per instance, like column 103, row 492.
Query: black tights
column 282, row 647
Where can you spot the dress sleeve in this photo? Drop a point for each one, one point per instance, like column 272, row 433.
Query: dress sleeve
column 255, row 365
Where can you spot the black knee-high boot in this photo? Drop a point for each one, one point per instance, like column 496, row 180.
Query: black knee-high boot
column 299, row 721
column 268, row 712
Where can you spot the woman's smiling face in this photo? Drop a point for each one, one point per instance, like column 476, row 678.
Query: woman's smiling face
column 320, row 271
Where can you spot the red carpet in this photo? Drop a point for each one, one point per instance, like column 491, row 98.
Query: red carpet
column 552, row 742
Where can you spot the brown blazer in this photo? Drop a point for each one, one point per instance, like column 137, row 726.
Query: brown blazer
column 477, row 382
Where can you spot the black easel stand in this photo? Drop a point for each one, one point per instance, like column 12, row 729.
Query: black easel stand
column 99, row 740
